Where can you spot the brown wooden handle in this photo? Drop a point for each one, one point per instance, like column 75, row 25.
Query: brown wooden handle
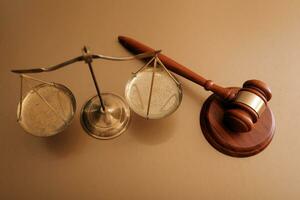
column 137, row 47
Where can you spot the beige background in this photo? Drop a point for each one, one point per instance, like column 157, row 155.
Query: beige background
column 228, row 41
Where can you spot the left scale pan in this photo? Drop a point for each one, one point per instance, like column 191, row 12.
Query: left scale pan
column 46, row 109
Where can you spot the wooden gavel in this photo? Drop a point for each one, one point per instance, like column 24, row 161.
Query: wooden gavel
column 245, row 106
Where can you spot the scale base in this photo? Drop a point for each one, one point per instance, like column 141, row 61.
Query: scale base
column 106, row 124
column 229, row 142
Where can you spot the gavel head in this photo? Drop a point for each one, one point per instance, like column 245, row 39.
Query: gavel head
column 249, row 103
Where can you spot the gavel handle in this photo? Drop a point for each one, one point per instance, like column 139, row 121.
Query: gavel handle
column 137, row 47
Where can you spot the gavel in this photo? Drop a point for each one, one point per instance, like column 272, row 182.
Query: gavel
column 245, row 105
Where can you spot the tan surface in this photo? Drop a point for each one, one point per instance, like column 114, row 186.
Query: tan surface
column 227, row 41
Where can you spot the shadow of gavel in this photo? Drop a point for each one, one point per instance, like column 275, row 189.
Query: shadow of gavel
column 236, row 121
column 246, row 105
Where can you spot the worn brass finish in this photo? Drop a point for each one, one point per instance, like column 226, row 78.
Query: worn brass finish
column 251, row 100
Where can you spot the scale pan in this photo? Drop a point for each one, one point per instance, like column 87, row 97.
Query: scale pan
column 166, row 95
column 47, row 109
